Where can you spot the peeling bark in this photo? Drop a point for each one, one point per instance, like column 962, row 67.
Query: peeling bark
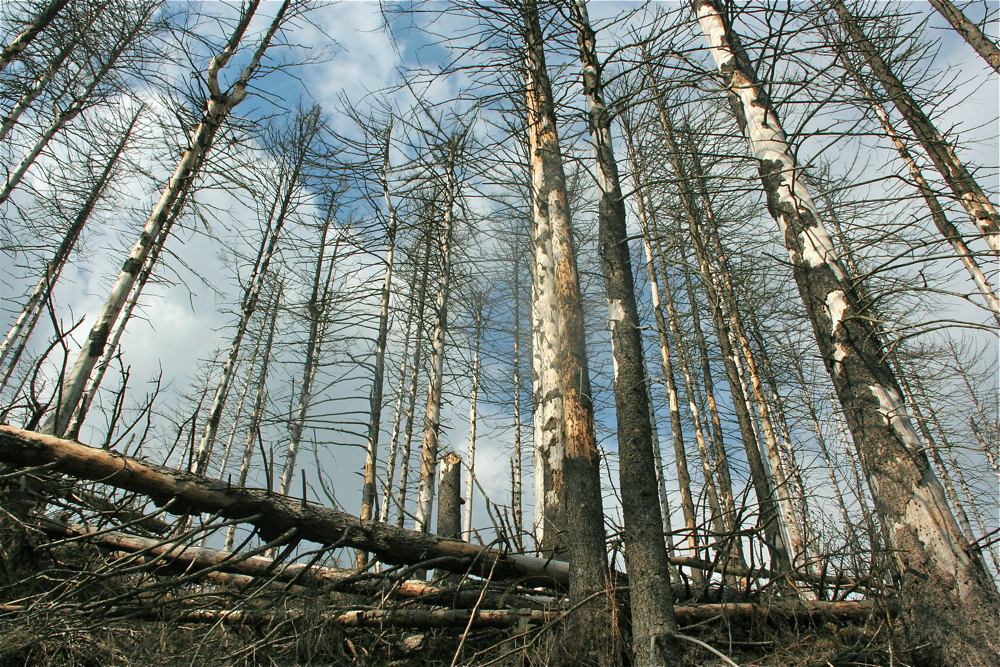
column 948, row 603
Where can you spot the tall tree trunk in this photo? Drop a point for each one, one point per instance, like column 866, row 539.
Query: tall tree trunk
column 591, row 631
column 94, row 382
column 673, row 403
column 949, row 604
column 378, row 382
column 470, row 459
column 307, row 126
column 955, row 174
column 516, row 467
column 970, row 32
column 78, row 104
column 432, row 416
column 36, row 89
column 769, row 515
column 317, row 308
column 404, row 471
column 54, row 268
column 257, row 415
column 653, row 624
column 938, row 215
column 218, row 107
column 390, row 465
column 13, row 51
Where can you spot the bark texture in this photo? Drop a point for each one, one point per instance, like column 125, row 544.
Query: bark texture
column 948, row 604
column 653, row 624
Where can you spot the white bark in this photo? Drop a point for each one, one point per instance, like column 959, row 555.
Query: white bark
column 14, row 50
column 432, row 417
column 219, row 106
column 470, row 459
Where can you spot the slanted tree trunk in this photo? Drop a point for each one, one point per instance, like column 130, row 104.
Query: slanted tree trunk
column 948, row 603
column 81, row 101
column 970, row 32
column 404, row 471
column 218, row 107
column 25, row 322
column 36, row 89
column 938, row 215
column 390, row 465
column 941, row 153
column 257, row 415
column 673, row 404
column 768, row 514
column 653, row 624
column 13, row 51
column 317, row 309
column 94, row 383
column 307, row 126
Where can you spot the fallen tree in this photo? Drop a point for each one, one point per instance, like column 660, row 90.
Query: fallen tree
column 241, row 570
column 272, row 514
column 496, row 618
column 276, row 515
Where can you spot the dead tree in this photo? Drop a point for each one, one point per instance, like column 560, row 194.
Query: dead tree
column 948, row 601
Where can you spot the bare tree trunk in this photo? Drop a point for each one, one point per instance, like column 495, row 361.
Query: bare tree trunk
column 941, row 221
column 404, row 473
column 673, row 403
column 516, row 466
column 769, row 516
column 10, row 120
column 219, row 105
column 240, row 404
column 257, row 415
column 390, row 466
column 584, row 514
column 470, row 460
column 721, row 467
column 375, row 420
column 948, row 603
column 79, row 103
column 547, row 403
column 317, row 308
column 955, row 174
column 432, row 417
column 653, row 624
column 41, row 21
column 307, row 126
column 970, row 32
column 94, row 382
column 54, row 268
column 933, row 447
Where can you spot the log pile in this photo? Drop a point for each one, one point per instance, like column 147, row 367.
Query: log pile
column 488, row 588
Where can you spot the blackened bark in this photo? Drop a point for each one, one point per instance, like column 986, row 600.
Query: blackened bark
column 653, row 623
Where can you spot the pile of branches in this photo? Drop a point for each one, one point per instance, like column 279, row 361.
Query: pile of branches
column 104, row 561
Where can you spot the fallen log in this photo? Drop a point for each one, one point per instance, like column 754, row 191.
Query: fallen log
column 242, row 570
column 495, row 618
column 274, row 514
